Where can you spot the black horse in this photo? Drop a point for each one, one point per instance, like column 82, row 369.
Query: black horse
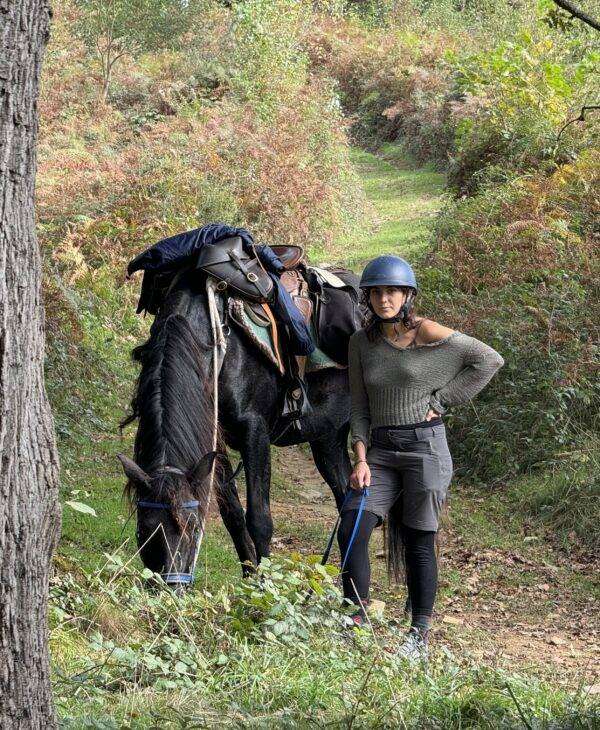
column 173, row 446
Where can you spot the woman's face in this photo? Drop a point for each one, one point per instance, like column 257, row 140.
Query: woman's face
column 387, row 300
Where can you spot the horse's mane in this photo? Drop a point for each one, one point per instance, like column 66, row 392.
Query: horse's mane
column 172, row 400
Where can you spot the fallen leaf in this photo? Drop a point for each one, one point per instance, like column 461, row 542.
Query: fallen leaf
column 453, row 620
column 556, row 640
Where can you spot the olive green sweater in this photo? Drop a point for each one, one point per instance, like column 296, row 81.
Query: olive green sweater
column 393, row 386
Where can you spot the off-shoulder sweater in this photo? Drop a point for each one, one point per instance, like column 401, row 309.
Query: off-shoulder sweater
column 393, row 386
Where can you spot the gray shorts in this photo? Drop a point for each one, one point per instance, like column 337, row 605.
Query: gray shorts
column 409, row 464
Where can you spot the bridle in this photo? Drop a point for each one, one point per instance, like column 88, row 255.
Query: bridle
column 171, row 579
column 219, row 349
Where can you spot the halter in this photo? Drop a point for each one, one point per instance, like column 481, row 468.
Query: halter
column 171, row 579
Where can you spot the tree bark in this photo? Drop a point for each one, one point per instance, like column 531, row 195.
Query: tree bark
column 29, row 512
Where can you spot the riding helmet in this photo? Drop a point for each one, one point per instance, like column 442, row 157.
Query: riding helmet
column 388, row 271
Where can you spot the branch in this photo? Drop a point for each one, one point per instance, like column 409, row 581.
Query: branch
column 577, row 13
column 580, row 118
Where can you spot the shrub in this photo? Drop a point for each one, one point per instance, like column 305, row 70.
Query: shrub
column 156, row 659
column 517, row 266
column 391, row 83
column 566, row 497
column 526, row 89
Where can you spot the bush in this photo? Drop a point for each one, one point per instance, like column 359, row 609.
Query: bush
column 512, row 102
column 566, row 497
column 391, row 83
column 156, row 659
column 517, row 266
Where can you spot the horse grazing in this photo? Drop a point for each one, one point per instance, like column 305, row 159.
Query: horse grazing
column 173, row 401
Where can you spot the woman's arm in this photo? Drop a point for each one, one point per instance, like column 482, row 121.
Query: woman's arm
column 480, row 364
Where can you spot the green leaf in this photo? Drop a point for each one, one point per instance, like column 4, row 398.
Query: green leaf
column 82, row 507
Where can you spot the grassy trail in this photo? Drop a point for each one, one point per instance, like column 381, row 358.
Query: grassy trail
column 507, row 594
column 509, row 599
column 404, row 200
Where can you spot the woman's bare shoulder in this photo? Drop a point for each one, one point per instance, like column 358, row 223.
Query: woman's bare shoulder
column 430, row 331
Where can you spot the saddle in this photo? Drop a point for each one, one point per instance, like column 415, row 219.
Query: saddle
column 235, row 269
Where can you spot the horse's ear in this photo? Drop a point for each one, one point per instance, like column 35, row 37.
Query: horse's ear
column 132, row 471
column 202, row 469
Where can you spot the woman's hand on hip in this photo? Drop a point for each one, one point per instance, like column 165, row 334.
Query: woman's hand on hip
column 361, row 476
column 431, row 414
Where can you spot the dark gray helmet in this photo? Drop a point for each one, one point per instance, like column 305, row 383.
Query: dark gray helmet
column 388, row 271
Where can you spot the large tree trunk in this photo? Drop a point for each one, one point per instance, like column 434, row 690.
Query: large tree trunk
column 29, row 513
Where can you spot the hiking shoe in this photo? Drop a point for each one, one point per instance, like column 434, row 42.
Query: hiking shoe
column 414, row 647
column 357, row 620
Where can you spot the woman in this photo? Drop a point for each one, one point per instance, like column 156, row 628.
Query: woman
column 405, row 371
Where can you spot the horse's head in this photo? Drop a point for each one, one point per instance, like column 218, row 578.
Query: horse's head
column 170, row 502
column 174, row 445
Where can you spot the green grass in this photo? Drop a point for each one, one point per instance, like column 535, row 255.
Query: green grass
column 404, row 201
column 125, row 657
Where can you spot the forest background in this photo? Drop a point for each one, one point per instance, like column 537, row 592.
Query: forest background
column 157, row 117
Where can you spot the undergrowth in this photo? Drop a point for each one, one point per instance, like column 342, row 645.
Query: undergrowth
column 518, row 267
column 265, row 653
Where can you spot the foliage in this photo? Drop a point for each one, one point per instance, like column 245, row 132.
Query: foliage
column 517, row 266
column 478, row 96
column 525, row 90
column 566, row 497
column 276, row 604
column 157, row 658
column 270, row 65
column 115, row 28
column 390, row 83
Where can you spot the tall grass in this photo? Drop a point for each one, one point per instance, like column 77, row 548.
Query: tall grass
column 256, row 654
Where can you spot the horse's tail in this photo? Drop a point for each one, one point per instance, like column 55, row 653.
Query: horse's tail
column 394, row 543
column 396, row 565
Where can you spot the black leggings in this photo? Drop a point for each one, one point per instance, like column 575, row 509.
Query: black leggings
column 421, row 564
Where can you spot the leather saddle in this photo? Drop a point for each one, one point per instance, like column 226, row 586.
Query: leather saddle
column 289, row 255
column 236, row 269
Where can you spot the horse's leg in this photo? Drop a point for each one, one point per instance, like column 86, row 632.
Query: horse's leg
column 232, row 514
column 331, row 458
column 256, row 455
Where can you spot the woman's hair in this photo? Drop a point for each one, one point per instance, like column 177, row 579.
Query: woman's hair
column 373, row 326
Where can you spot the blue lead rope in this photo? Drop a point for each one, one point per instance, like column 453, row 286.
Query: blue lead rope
column 363, row 499
column 361, row 508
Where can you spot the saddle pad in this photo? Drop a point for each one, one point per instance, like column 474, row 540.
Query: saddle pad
column 261, row 336
column 331, row 278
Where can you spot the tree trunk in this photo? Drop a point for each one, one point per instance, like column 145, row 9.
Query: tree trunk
column 29, row 512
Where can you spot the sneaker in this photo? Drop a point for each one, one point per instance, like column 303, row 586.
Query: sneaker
column 414, row 647
column 358, row 619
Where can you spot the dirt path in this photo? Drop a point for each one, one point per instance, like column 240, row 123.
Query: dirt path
column 524, row 607
column 508, row 595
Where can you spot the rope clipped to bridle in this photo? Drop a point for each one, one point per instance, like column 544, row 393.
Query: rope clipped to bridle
column 219, row 349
